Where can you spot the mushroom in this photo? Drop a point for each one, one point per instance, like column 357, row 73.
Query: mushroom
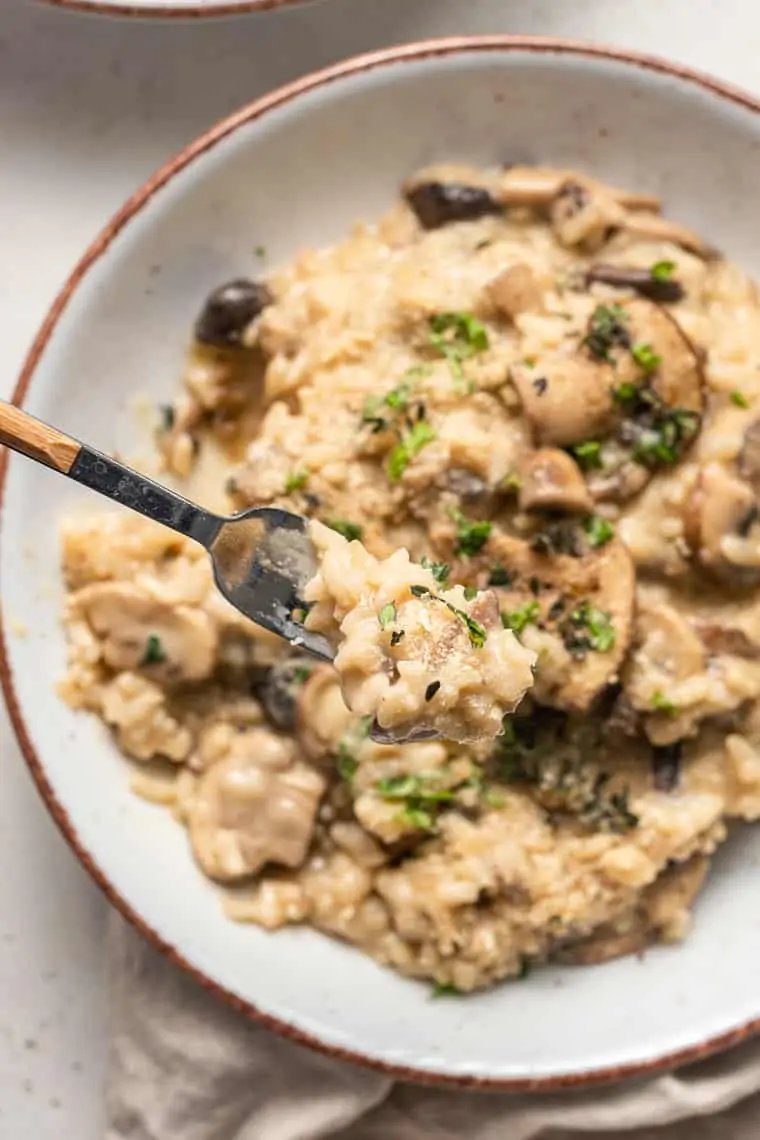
column 567, row 398
column 574, row 609
column 229, row 310
column 321, row 714
column 749, row 457
column 666, row 766
column 719, row 639
column 539, row 186
column 646, row 225
column 515, row 290
column 665, row 290
column 720, row 526
column 258, row 805
column 552, row 481
column 604, row 945
column 170, row 643
column 582, row 215
column 279, row 685
column 437, row 203
column 678, row 373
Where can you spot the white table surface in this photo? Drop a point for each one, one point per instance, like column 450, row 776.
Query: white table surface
column 88, row 107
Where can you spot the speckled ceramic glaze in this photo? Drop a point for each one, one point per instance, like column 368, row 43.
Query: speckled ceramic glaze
column 296, row 169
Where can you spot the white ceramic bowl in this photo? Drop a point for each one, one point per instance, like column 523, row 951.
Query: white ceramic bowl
column 294, row 169
column 166, row 9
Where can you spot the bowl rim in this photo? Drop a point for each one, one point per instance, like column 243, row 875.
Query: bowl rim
column 180, row 9
column 356, row 65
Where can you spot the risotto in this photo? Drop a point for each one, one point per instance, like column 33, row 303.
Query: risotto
column 522, row 412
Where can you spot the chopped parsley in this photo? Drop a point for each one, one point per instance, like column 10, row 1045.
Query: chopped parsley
column 662, row 703
column 646, row 358
column 387, row 615
column 421, row 592
column 349, row 530
column 445, row 989
column 588, row 455
column 457, row 337
column 662, row 270
column 471, row 536
column 431, row 690
column 475, row 631
column 439, row 570
column 663, row 439
column 345, row 759
column 588, row 627
column 627, row 393
column 606, row 330
column 612, row 813
column 523, row 616
column 418, row 436
column 598, row 530
column 511, row 482
column 420, row 796
column 397, row 635
column 296, row 481
column 396, row 400
column 739, row 399
column 345, row 762
column 166, row 412
column 300, row 675
column 499, row 575
column 153, row 653
column 470, row 593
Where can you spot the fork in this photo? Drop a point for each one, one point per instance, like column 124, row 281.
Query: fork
column 262, row 558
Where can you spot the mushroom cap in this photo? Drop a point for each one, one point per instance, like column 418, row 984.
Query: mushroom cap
column 552, row 481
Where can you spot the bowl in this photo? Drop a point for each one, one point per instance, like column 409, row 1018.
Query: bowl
column 295, row 169
column 165, row 9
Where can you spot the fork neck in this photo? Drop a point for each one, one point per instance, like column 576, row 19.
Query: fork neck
column 116, row 481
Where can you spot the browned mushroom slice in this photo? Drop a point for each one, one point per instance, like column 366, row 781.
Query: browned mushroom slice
column 749, row 457
column 677, row 375
column 438, row 203
column 604, row 945
column 721, row 523
column 567, row 399
column 665, row 290
column 584, row 215
column 582, row 602
column 539, row 185
column 515, row 290
column 719, row 639
column 552, row 481
column 648, row 225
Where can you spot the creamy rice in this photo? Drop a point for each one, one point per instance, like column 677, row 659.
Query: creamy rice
column 548, row 392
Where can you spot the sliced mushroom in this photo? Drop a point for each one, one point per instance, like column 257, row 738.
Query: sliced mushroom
column 539, row 185
column 604, row 945
column 552, row 481
column 229, row 310
column 584, row 215
column 648, row 225
column 515, row 290
column 321, row 714
column 171, row 643
column 567, row 399
column 279, row 685
column 256, row 806
column 678, row 376
column 666, row 766
column 720, row 526
column 749, row 457
column 664, row 290
column 438, row 203
column 567, row 591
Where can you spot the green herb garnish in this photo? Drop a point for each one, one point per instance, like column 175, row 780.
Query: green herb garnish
column 166, row 412
column 588, row 627
column 387, row 615
column 471, row 536
column 662, row 703
column 296, row 480
column 663, row 439
column 349, row 530
column 499, row 575
column 301, row 675
column 397, row 635
column 524, row 968
column 646, row 358
column 153, row 654
column 418, row 436
column 439, row 570
column 588, row 455
column 662, row 270
column 606, row 330
column 457, row 337
column 739, row 399
column 445, row 989
column 345, row 762
column 598, row 530
column 627, row 393
column 523, row 616
column 470, row 593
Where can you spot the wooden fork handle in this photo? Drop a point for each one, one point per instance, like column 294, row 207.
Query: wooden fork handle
column 22, row 432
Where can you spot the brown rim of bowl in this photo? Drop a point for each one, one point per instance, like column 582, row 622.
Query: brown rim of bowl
column 172, row 11
column 359, row 64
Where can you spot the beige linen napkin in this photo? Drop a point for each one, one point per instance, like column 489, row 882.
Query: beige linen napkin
column 185, row 1067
